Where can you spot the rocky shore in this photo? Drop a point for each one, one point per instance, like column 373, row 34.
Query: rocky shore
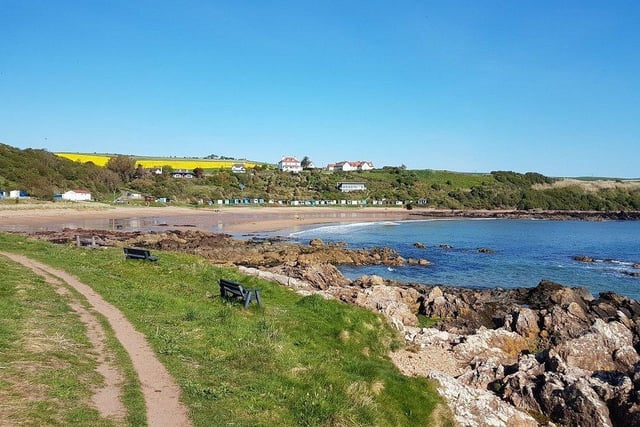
column 560, row 215
column 547, row 355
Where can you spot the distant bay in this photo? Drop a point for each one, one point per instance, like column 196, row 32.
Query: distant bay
column 521, row 252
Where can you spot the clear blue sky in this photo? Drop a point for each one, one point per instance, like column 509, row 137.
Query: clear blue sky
column 545, row 86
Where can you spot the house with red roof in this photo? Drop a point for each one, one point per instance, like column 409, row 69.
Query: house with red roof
column 348, row 166
column 290, row 164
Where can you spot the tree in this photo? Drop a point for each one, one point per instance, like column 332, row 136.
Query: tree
column 124, row 166
column 198, row 172
column 306, row 162
column 140, row 172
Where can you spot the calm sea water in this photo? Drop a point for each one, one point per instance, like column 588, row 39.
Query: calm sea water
column 526, row 251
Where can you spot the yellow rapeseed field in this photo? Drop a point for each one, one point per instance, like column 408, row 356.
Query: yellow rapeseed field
column 157, row 162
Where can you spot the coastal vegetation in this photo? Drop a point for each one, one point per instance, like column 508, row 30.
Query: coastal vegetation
column 44, row 174
column 298, row 361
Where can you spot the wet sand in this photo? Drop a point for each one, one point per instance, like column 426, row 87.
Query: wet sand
column 233, row 220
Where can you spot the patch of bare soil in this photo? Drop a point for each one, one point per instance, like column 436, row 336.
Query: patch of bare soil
column 422, row 363
column 161, row 393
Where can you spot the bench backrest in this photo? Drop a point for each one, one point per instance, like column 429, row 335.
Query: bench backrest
column 231, row 286
column 135, row 251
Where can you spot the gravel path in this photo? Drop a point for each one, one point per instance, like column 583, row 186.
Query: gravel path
column 160, row 391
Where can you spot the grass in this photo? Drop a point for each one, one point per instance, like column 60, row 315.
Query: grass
column 428, row 322
column 47, row 368
column 300, row 361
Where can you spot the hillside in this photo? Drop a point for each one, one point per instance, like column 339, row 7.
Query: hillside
column 43, row 174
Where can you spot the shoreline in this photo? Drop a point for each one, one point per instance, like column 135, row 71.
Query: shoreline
column 233, row 220
column 259, row 219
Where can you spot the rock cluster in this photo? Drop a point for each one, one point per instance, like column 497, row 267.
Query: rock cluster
column 553, row 351
column 227, row 250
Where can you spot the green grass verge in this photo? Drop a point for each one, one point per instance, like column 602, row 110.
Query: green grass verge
column 47, row 370
column 300, row 361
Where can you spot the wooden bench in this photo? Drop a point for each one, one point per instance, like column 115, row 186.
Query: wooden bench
column 89, row 241
column 229, row 290
column 135, row 253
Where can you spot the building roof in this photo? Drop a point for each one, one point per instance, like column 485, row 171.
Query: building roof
column 289, row 159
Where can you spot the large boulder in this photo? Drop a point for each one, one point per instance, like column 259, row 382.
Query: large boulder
column 604, row 347
column 398, row 304
column 526, row 323
column 479, row 408
column 501, row 344
column 572, row 401
column 321, row 276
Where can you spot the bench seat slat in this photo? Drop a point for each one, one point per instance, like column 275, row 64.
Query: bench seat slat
column 135, row 253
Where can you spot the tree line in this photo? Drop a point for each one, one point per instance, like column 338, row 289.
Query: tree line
column 43, row 174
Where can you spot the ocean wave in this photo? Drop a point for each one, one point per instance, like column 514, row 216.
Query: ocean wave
column 341, row 228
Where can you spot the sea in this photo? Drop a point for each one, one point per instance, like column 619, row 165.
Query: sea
column 521, row 252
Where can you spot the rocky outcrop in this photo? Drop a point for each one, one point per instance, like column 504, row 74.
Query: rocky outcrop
column 224, row 249
column 320, row 276
column 397, row 304
column 533, row 214
column 473, row 407
column 577, row 363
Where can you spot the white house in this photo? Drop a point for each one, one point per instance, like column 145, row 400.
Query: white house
column 347, row 187
column 76, row 195
column 290, row 164
column 348, row 166
column 238, row 168
column 182, row 173
column 17, row 194
column 365, row 165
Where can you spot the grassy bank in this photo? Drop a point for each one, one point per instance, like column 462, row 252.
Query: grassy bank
column 299, row 361
column 47, row 370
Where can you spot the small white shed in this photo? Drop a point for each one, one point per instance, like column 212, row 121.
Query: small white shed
column 76, row 195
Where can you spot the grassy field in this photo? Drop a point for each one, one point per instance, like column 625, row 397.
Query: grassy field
column 300, row 361
column 157, row 162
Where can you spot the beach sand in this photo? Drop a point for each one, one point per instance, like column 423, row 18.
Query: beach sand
column 234, row 220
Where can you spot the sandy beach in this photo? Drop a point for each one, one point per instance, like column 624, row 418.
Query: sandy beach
column 234, row 220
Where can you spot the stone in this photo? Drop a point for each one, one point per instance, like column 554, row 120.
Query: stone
column 316, row 243
column 393, row 302
column 583, row 258
column 486, row 251
column 499, row 343
column 596, row 349
column 478, row 408
column 526, row 323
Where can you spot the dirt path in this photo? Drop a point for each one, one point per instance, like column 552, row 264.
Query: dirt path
column 161, row 393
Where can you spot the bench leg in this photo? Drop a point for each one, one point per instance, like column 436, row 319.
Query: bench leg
column 258, row 298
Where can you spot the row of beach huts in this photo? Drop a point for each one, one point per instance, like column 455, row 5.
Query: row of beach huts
column 272, row 202
column 71, row 195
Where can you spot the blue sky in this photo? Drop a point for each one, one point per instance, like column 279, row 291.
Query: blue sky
column 474, row 86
